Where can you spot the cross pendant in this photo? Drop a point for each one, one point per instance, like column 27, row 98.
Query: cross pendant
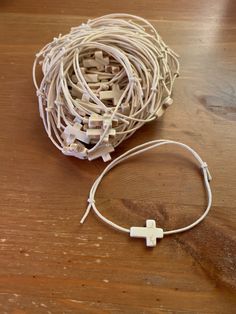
column 150, row 232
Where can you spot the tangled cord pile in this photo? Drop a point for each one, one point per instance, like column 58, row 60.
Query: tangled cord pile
column 102, row 82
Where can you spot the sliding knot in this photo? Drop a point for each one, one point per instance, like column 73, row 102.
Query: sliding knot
column 39, row 93
column 204, row 165
column 154, row 89
column 133, row 79
column 91, row 201
column 205, row 168
column 168, row 101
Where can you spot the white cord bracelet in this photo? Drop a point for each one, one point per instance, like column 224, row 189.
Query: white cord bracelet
column 150, row 232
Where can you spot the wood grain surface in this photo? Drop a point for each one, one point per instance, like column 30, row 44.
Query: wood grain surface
column 51, row 264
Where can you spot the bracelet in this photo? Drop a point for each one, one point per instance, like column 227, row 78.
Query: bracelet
column 151, row 233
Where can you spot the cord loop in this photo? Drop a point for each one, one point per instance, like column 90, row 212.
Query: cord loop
column 136, row 151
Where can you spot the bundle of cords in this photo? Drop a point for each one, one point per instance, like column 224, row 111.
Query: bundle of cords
column 102, row 82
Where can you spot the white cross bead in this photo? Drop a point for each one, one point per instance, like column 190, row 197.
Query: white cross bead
column 98, row 62
column 150, row 232
column 73, row 132
column 113, row 94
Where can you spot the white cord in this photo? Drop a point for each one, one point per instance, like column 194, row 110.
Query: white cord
column 136, row 151
column 102, row 82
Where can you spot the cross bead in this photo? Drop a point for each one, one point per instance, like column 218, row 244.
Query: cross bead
column 150, row 232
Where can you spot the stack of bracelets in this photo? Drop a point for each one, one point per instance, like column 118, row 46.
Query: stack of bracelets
column 102, row 82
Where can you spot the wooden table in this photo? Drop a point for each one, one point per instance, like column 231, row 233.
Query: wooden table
column 48, row 262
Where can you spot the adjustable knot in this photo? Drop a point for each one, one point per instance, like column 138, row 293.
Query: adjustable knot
column 154, row 89
column 39, row 93
column 91, row 201
column 133, row 79
column 58, row 103
column 168, row 101
column 204, row 167
column 63, row 50
column 85, row 26
column 49, row 109
column 55, row 40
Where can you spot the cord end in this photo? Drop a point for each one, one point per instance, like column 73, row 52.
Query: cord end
column 87, row 210
column 85, row 215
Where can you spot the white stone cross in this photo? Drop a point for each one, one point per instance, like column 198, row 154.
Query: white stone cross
column 113, row 94
column 98, row 62
column 73, row 132
column 150, row 232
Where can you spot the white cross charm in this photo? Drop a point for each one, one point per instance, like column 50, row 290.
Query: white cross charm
column 113, row 94
column 150, row 232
